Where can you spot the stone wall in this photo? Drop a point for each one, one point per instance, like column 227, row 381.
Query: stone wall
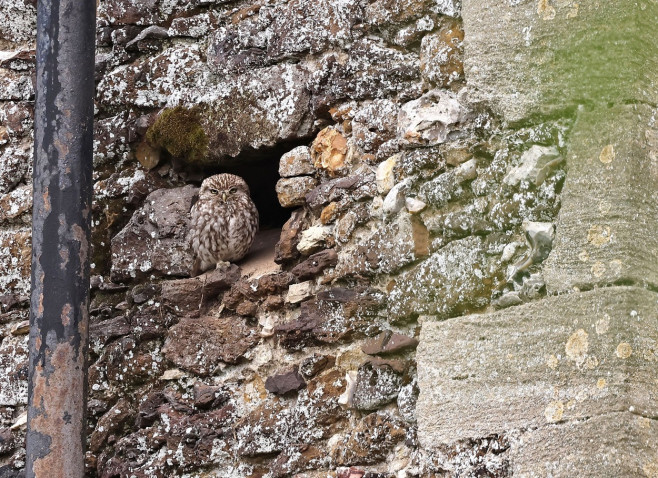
column 412, row 195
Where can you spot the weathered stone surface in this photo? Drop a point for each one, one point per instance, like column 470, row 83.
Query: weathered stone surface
column 200, row 345
column 18, row 22
column 430, row 119
column 284, row 383
column 263, row 431
column 586, row 364
column 551, row 47
column 370, row 441
column 314, row 364
column 329, row 151
column 441, row 55
column 388, row 342
column 375, row 124
column 121, row 414
column 315, row 264
column 14, row 165
column 336, row 315
column 387, row 249
column 155, row 239
column 355, row 187
column 623, row 447
column 15, row 204
column 613, row 176
column 292, row 192
column 184, row 295
column 457, row 278
column 14, row 363
column 7, row 444
column 296, row 162
column 154, row 81
column 370, row 70
column 376, row 385
column 297, row 458
column 14, row 273
column 286, row 249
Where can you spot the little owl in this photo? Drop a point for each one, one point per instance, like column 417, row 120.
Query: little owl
column 224, row 222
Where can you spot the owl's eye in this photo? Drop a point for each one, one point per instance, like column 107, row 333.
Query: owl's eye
column 232, row 190
column 214, row 192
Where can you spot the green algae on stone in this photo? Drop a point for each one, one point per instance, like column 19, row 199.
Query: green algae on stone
column 179, row 131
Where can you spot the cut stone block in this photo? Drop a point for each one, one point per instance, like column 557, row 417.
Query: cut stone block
column 545, row 365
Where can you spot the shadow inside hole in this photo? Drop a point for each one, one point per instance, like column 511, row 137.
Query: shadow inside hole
column 260, row 169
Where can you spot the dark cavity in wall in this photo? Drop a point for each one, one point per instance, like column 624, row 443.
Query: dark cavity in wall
column 260, row 169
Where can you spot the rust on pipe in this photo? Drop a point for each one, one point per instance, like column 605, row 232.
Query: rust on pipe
column 57, row 385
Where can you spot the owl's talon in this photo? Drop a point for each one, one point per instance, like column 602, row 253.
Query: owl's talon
column 222, row 265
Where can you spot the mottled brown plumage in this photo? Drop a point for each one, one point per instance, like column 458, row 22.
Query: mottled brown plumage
column 224, row 222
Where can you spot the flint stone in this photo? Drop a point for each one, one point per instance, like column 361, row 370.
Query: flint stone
column 314, row 364
column 201, row 345
column 154, row 242
column 357, row 187
column 286, row 249
column 429, row 120
column 284, row 383
column 296, row 162
column 532, row 165
column 385, row 176
column 315, row 264
column 376, row 385
column 292, row 192
column 584, row 370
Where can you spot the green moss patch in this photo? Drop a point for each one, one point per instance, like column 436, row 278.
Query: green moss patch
column 179, row 131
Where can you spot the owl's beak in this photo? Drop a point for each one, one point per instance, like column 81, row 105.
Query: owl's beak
column 223, row 197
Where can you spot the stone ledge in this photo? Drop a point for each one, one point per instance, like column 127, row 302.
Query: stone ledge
column 560, row 361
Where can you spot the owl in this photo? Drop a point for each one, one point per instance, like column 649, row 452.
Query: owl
column 224, row 222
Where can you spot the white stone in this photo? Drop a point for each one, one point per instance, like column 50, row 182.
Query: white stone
column 429, row 119
column 414, row 206
column 296, row 162
column 346, row 398
column 384, row 174
column 21, row 422
column 532, row 165
column 466, row 171
column 395, row 199
column 313, row 238
column 299, row 292
column 173, row 374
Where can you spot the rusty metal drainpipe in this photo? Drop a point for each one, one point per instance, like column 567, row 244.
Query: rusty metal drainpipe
column 59, row 318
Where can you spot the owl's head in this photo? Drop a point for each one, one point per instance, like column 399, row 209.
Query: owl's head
column 223, row 187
